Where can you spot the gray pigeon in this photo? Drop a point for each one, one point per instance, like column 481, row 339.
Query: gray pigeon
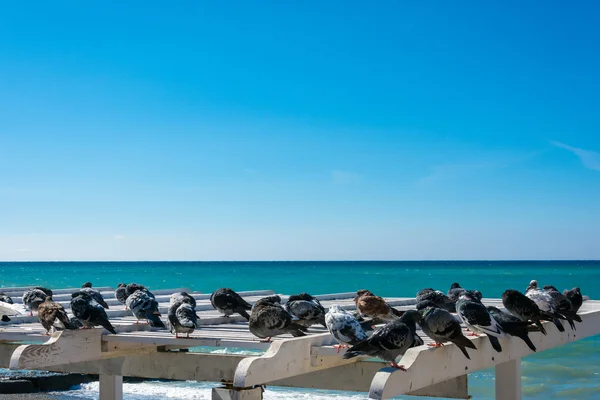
column 545, row 302
column 182, row 316
column 121, row 293
column 144, row 307
column 563, row 305
column 436, row 297
column 268, row 318
column 477, row 318
column 390, row 341
column 180, row 297
column 32, row 298
column 455, row 291
column 512, row 325
column 344, row 327
column 307, row 309
column 89, row 312
column 441, row 326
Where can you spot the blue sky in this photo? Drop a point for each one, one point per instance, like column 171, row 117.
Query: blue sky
column 299, row 130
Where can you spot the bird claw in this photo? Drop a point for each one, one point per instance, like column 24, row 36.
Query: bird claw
column 400, row 367
column 435, row 344
column 339, row 347
column 267, row 340
column 473, row 334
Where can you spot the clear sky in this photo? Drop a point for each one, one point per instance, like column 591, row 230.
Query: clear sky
column 296, row 130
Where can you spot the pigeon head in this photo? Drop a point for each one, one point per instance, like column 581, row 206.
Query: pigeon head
column 87, row 284
column 411, row 317
column 335, row 308
column 122, row 285
column 455, row 285
column 422, row 305
column 47, row 292
column 269, row 300
column 472, row 295
column 493, row 309
column 532, row 285
column 550, row 288
column 577, row 290
column 476, row 295
column 361, row 293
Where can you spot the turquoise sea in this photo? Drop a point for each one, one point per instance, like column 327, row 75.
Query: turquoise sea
column 569, row 372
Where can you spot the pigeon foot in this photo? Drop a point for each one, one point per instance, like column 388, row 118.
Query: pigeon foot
column 400, row 367
column 267, row 340
column 435, row 344
column 340, row 346
column 473, row 334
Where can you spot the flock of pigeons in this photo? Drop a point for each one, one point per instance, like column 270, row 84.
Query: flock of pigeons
column 438, row 314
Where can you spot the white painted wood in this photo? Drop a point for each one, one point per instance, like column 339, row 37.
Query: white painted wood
column 237, row 394
column 111, row 387
column 508, row 380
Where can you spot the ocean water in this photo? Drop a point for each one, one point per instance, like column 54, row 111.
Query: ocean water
column 569, row 372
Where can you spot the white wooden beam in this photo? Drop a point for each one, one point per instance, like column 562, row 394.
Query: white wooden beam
column 508, row 380
column 237, row 394
column 111, row 387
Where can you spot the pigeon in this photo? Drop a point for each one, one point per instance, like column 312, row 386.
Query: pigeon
column 182, row 316
column 441, row 326
column 575, row 297
column 525, row 309
column 94, row 294
column 268, row 318
column 512, row 325
column 180, row 297
column 51, row 313
column 144, row 307
column 75, row 323
column 228, row 302
column 5, row 298
column 455, row 291
column 89, row 312
column 369, row 305
column 307, row 309
column 132, row 287
column 390, row 341
column 544, row 302
column 121, row 293
column 344, row 327
column 563, row 305
column 478, row 319
column 438, row 298
column 32, row 298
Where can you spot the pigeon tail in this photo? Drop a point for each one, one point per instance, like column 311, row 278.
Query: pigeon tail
column 495, row 343
column 243, row 313
column 108, row 326
column 558, row 324
column 541, row 327
column 154, row 320
column 397, row 313
column 297, row 330
column 463, row 349
column 460, row 340
column 525, row 337
column 5, row 318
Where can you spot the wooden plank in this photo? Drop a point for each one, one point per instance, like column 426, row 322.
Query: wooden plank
column 429, row 366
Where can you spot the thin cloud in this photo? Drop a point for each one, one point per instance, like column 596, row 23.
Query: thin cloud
column 119, row 237
column 339, row 177
column 590, row 159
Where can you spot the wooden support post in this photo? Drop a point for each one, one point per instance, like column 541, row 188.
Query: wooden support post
column 237, row 394
column 111, row 387
column 508, row 380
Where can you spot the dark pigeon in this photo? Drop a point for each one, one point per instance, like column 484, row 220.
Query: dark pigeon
column 5, row 298
column 390, row 341
column 455, row 291
column 512, row 325
column 94, row 294
column 478, row 319
column 563, row 306
column 307, row 309
column 268, row 319
column 89, row 312
column 133, row 287
column 441, row 326
column 575, row 297
column 545, row 303
column 525, row 309
column 228, row 302
column 436, row 297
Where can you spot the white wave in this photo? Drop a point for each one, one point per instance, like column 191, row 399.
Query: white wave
column 197, row 391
